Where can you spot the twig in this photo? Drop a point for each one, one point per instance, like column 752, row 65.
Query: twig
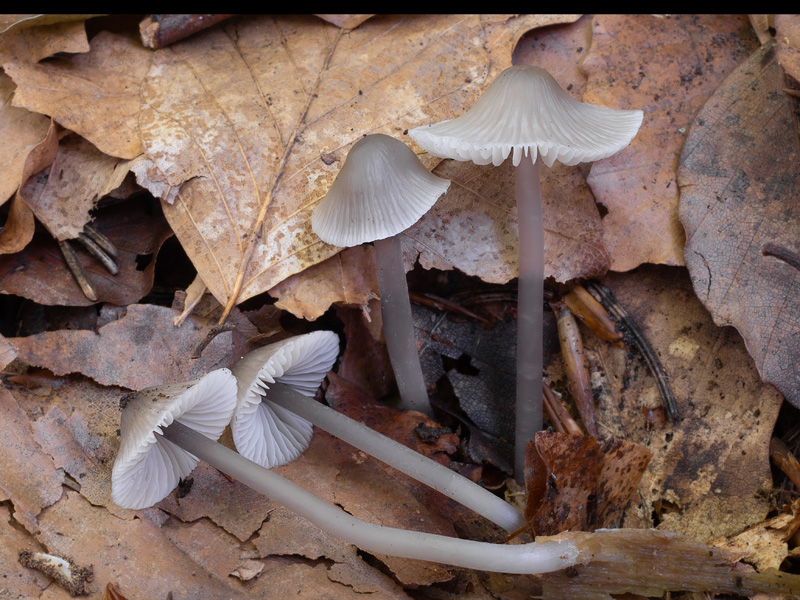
column 606, row 298
column 77, row 270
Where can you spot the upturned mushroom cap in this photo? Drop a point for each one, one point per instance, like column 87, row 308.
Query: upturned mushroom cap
column 525, row 111
column 264, row 432
column 381, row 190
column 148, row 467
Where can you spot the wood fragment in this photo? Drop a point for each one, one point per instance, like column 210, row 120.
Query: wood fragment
column 580, row 385
column 95, row 250
column 78, row 272
column 159, row 31
column 592, row 314
column 101, row 241
column 635, row 337
column 782, row 456
column 559, row 416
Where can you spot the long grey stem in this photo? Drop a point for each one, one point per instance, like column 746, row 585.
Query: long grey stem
column 522, row 558
column 401, row 457
column 529, row 309
column 398, row 326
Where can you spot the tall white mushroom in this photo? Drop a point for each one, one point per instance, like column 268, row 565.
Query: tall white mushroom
column 382, row 190
column 275, row 385
column 525, row 113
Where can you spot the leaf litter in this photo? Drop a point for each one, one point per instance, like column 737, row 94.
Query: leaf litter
column 73, row 419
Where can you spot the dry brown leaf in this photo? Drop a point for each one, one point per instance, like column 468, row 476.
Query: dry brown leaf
column 79, row 176
column 739, row 191
column 157, row 351
column 135, row 554
column 40, row 273
column 32, row 39
column 18, row 229
column 667, row 66
column 473, row 227
column 7, row 353
column 94, row 94
column 76, row 422
column 787, row 36
column 347, row 278
column 574, row 483
column 30, row 479
column 709, row 466
column 20, row 130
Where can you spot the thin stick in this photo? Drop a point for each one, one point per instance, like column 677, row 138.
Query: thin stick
column 78, row 272
column 521, row 558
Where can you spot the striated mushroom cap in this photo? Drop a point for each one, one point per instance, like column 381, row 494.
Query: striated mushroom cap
column 264, row 432
column 381, row 190
column 148, row 466
column 525, row 111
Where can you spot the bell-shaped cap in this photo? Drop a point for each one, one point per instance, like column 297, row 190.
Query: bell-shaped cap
column 264, row 432
column 525, row 111
column 381, row 190
column 148, row 466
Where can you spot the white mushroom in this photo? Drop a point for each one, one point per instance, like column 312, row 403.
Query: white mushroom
column 382, row 190
column 287, row 373
column 524, row 112
column 148, row 467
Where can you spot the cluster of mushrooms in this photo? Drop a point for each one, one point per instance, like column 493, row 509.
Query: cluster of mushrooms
column 381, row 190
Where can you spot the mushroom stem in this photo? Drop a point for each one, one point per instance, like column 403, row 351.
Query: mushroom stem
column 521, row 558
column 398, row 326
column 401, row 457
column 530, row 313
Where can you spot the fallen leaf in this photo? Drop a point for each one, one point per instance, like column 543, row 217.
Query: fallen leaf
column 787, row 36
column 739, row 192
column 575, row 483
column 708, row 467
column 34, row 37
column 348, row 277
column 345, row 21
column 21, row 130
column 666, row 65
column 18, row 229
column 94, row 94
column 7, row 353
column 135, row 554
column 473, row 227
column 137, row 230
column 30, row 479
column 79, row 176
column 158, row 351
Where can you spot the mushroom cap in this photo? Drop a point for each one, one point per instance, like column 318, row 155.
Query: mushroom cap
column 148, row 466
column 525, row 110
column 381, row 190
column 264, row 432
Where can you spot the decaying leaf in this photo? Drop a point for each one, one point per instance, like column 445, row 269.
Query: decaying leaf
column 39, row 272
column 94, row 94
column 739, row 190
column 20, row 130
column 575, row 483
column 18, row 229
column 30, row 479
column 473, row 226
column 30, row 38
column 708, row 467
column 79, row 176
column 666, row 65
column 158, row 351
